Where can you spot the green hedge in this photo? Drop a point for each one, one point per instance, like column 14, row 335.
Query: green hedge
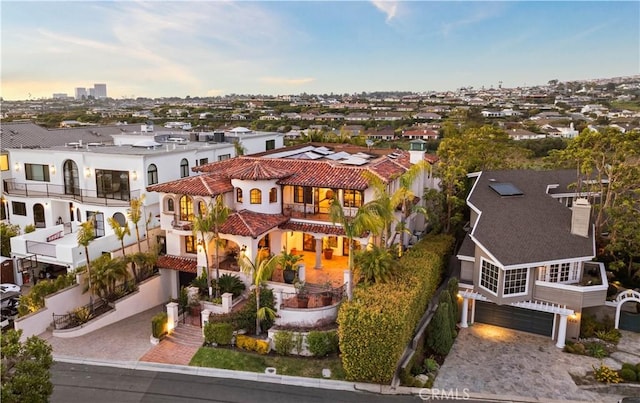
column 322, row 344
column 380, row 320
column 219, row 333
column 159, row 325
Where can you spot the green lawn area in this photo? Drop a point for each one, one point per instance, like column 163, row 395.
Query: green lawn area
column 245, row 361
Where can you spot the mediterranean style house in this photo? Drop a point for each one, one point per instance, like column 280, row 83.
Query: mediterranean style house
column 526, row 262
column 280, row 201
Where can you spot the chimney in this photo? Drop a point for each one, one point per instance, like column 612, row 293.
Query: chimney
column 581, row 217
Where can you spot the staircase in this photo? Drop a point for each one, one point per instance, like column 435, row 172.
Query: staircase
column 186, row 335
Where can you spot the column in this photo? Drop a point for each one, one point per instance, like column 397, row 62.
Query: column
column 465, row 309
column 318, row 253
column 227, row 302
column 562, row 331
column 302, row 274
column 204, row 317
column 172, row 316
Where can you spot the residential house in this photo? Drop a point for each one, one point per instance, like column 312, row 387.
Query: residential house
column 422, row 134
column 527, row 261
column 523, row 134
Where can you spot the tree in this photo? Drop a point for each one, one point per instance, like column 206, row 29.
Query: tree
column 207, row 224
column 119, row 231
column 624, row 242
column 6, row 232
column 374, row 265
column 439, row 337
column 353, row 226
column 134, row 213
column 260, row 269
column 25, row 368
column 86, row 234
column 106, row 274
column 142, row 263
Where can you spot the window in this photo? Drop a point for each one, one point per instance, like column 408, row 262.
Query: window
column 190, row 244
column 186, row 208
column 112, row 184
column 352, row 198
column 37, row 172
column 515, row 281
column 38, row 216
column 152, row 174
column 19, row 208
column 224, row 157
column 273, row 195
column 119, row 217
column 184, row 168
column 4, row 162
column 99, row 222
column 270, row 145
column 204, row 161
column 559, row 273
column 489, row 275
column 302, row 194
column 170, row 204
column 255, row 196
column 202, row 208
column 238, row 195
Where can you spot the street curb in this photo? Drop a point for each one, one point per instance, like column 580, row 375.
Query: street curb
column 427, row 394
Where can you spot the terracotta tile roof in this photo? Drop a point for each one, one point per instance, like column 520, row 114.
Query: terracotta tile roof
column 390, row 168
column 179, row 263
column 201, row 185
column 317, row 228
column 258, row 170
column 431, row 158
column 249, row 223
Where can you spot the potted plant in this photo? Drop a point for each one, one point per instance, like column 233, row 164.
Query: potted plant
column 302, row 297
column 289, row 269
column 326, row 297
column 326, row 249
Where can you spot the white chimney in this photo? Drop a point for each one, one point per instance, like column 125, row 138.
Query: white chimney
column 581, row 217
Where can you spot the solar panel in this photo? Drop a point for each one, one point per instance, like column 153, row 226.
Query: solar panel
column 506, row 189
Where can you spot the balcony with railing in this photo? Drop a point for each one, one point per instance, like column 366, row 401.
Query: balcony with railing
column 589, row 289
column 88, row 196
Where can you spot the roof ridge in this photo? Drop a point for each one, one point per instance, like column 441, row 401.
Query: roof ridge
column 205, row 184
column 239, row 213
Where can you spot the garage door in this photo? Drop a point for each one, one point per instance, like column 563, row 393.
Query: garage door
column 629, row 321
column 514, row 318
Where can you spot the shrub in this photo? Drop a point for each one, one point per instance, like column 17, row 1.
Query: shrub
column 29, row 228
column 283, row 341
column 245, row 318
column 452, row 287
column 232, row 284
column 628, row 375
column 605, row 374
column 629, row 366
column 34, row 301
column 596, row 350
column 430, row 365
column 612, row 336
column 219, row 333
column 320, row 343
column 439, row 336
column 251, row 344
column 159, row 325
column 589, row 326
column 82, row 314
column 445, row 298
column 202, row 283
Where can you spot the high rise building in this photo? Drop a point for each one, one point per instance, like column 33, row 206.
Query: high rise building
column 91, row 92
column 81, row 93
column 100, row 90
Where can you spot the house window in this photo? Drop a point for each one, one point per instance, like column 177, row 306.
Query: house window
column 255, row 196
column 186, row 209
column 302, row 194
column 574, row 271
column 224, row 157
column 238, row 195
column 152, row 174
column 202, row 208
column 515, row 281
column 559, row 273
column 98, row 224
column 489, row 275
column 37, row 172
column 112, row 184
column 4, row 162
column 170, row 204
column 19, row 208
column 273, row 195
column 190, row 244
column 184, row 168
column 204, row 161
column 352, row 198
column 270, row 145
column 120, row 218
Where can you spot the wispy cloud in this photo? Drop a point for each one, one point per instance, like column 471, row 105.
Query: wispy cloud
column 388, row 7
column 479, row 14
column 287, row 81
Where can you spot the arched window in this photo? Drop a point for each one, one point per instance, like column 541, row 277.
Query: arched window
column 256, row 196
column 202, row 208
column 238, row 195
column 152, row 174
column 71, row 178
column 186, row 208
column 184, row 168
column 119, row 217
column 169, row 204
column 38, row 216
column 273, row 195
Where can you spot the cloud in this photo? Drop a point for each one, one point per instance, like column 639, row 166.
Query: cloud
column 390, row 8
column 286, row 81
column 484, row 12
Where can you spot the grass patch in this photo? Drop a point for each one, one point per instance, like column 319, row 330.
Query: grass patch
column 245, row 361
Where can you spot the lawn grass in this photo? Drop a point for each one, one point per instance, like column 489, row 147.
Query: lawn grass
column 239, row 360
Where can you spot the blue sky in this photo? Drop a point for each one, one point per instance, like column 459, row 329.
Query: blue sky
column 205, row 48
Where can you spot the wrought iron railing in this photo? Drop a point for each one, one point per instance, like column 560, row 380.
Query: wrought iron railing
column 313, row 296
column 80, row 315
column 89, row 196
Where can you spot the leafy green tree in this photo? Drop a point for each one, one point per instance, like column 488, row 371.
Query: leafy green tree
column 6, row 232
column 86, row 234
column 25, row 368
column 445, row 298
column 119, row 231
column 260, row 269
column 374, row 265
column 134, row 214
column 452, row 287
column 624, row 242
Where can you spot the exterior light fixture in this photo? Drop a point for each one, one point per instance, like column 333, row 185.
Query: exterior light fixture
column 87, row 172
column 52, row 169
column 16, row 167
column 134, row 175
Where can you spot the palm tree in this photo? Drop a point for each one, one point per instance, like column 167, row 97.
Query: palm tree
column 374, row 265
column 146, row 229
column 134, row 213
column 207, row 225
column 106, row 275
column 143, row 260
column 353, row 226
column 261, row 269
column 86, row 234
column 119, row 231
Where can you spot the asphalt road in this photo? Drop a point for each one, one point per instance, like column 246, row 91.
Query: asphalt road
column 96, row 384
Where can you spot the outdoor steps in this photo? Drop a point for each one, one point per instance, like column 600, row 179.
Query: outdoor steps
column 187, row 335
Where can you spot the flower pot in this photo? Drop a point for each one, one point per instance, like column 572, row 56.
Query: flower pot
column 289, row 275
column 328, row 253
column 303, row 301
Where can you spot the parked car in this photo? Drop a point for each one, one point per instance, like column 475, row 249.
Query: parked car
column 8, row 287
column 9, row 299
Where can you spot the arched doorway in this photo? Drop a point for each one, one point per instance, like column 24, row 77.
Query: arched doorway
column 71, row 178
column 38, row 216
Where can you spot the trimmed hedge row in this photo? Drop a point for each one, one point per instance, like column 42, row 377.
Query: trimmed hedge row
column 159, row 325
column 377, row 324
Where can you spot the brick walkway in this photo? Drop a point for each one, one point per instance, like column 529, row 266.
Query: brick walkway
column 178, row 348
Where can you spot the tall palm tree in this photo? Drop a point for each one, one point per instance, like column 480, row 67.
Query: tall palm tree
column 106, row 274
column 146, row 229
column 207, row 225
column 86, row 234
column 261, row 269
column 134, row 213
column 353, row 226
column 119, row 230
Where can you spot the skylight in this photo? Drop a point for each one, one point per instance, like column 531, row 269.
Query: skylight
column 506, row 189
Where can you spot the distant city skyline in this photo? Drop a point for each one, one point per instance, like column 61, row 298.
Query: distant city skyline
column 208, row 48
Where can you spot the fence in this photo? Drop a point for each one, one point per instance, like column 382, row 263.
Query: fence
column 313, row 296
column 80, row 315
column 90, row 196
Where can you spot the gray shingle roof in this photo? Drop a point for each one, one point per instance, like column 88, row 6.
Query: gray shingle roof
column 530, row 228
